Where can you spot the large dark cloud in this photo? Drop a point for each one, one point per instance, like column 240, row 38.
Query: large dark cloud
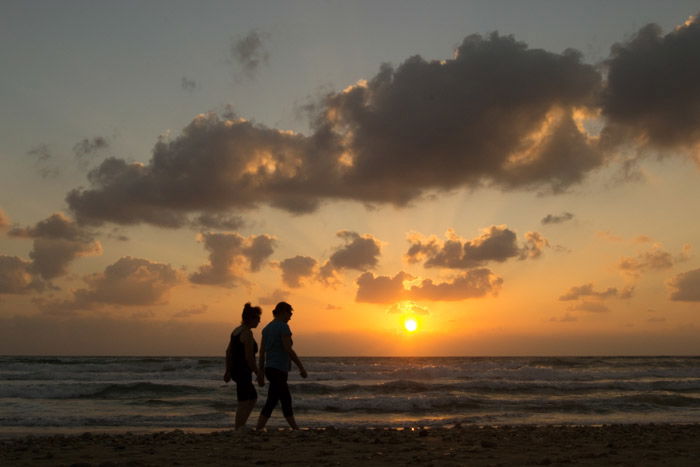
column 652, row 96
column 685, row 287
column 129, row 281
column 230, row 255
column 57, row 241
column 360, row 252
column 497, row 114
column 295, row 269
column 16, row 276
column 496, row 243
column 384, row 289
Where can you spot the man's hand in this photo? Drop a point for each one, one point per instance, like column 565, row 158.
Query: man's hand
column 261, row 380
column 227, row 377
column 303, row 373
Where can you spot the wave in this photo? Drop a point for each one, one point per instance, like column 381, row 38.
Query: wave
column 133, row 390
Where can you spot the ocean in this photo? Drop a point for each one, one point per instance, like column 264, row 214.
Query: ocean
column 42, row 395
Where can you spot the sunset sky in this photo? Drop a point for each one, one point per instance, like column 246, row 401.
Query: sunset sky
column 519, row 178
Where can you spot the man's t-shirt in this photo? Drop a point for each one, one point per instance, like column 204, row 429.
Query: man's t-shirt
column 275, row 355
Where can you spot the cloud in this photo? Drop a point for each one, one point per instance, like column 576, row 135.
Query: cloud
column 42, row 157
column 276, row 296
column 221, row 221
column 187, row 84
column 407, row 307
column 496, row 243
column 230, row 254
column 652, row 95
column 89, row 148
column 498, row 114
column 186, row 313
column 16, row 276
column 297, row 268
column 567, row 318
column 557, row 218
column 4, row 220
column 360, row 252
column 587, row 290
column 685, row 287
column 655, row 259
column 129, row 282
column 384, row 289
column 58, row 240
column 592, row 307
column 381, row 289
column 250, row 51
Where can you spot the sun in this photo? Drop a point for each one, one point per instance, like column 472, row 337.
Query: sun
column 410, row 324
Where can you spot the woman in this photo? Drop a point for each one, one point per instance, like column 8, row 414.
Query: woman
column 240, row 362
column 276, row 355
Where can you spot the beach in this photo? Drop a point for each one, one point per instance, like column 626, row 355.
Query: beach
column 623, row 444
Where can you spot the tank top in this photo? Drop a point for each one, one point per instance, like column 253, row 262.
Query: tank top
column 238, row 365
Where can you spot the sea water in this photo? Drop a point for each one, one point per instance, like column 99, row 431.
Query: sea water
column 75, row 394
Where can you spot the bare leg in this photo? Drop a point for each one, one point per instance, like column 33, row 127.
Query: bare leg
column 243, row 412
column 292, row 422
column 262, row 420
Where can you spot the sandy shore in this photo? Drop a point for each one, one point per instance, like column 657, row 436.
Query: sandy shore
column 633, row 445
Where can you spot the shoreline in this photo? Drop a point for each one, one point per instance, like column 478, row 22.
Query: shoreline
column 623, row 444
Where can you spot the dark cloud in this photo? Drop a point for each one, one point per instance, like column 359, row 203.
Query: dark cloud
column 186, row 313
column 381, row 289
column 250, row 51
column 42, row 157
column 58, row 240
column 652, row 97
column 129, row 281
column 384, row 289
column 89, row 148
column 295, row 269
column 592, row 307
column 360, row 252
column 587, row 290
column 16, row 276
column 230, row 255
column 187, row 84
column 655, row 259
column 496, row 243
column 557, row 218
column 685, row 287
column 497, row 114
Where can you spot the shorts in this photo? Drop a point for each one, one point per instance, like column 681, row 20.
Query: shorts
column 245, row 391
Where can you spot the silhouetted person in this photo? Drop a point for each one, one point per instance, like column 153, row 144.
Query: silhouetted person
column 240, row 362
column 276, row 356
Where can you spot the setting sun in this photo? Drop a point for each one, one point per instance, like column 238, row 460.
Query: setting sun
column 410, row 325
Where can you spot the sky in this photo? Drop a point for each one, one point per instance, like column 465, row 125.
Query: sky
column 518, row 178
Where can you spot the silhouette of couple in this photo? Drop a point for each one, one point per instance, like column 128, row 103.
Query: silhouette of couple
column 276, row 357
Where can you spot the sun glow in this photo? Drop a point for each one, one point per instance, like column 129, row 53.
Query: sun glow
column 410, row 324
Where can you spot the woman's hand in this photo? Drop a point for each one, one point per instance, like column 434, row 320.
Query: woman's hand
column 261, row 379
column 227, row 377
column 303, row 373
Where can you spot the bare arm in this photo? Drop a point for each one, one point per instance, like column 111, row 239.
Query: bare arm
column 287, row 343
column 261, row 363
column 227, row 375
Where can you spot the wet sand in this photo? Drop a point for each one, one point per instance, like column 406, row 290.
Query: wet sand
column 627, row 445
